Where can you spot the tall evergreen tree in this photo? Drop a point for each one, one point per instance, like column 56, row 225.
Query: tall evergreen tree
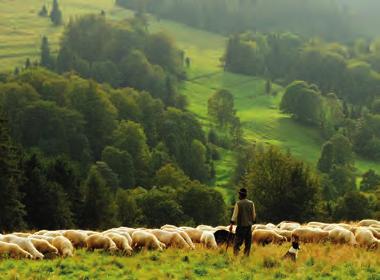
column 11, row 209
column 56, row 14
column 99, row 209
column 326, row 161
column 43, row 12
column 45, row 59
column 46, row 203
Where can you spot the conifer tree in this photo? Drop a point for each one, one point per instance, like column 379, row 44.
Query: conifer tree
column 43, row 12
column 45, row 59
column 11, row 209
column 99, row 209
column 56, row 14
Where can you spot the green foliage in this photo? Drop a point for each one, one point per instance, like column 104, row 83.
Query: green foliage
column 352, row 206
column 183, row 136
column 303, row 102
column 221, row 108
column 170, row 175
column 236, row 16
column 46, row 203
column 54, row 130
column 46, row 60
column 159, row 207
column 43, row 12
column 127, row 209
column 65, row 173
column 99, row 209
column 122, row 55
column 336, row 151
column 282, row 187
column 203, row 205
column 12, row 211
column 121, row 162
column 56, row 14
column 130, row 137
column 98, row 112
column 110, row 178
column 343, row 179
column 370, row 181
column 326, row 161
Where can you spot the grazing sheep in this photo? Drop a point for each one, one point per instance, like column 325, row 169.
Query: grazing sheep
column 99, row 241
column 53, row 233
column 368, row 222
column 47, row 238
column 205, row 228
column 365, row 238
column 208, row 240
column 285, row 233
column 121, row 242
column 317, row 224
column 21, row 234
column 147, row 240
column 25, row 244
column 288, row 226
column 121, row 232
column 130, row 231
column 13, row 250
column 222, row 228
column 43, row 246
column 375, row 231
column 40, row 232
column 184, row 236
column 310, row 235
column 64, row 246
column 87, row 232
column 170, row 239
column 259, row 226
column 342, row 236
column 266, row 236
column 165, row 227
column 270, row 226
column 77, row 238
column 194, row 234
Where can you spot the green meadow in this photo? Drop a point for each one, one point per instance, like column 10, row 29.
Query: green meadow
column 315, row 262
column 21, row 31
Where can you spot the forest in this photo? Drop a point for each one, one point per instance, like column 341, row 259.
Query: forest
column 105, row 118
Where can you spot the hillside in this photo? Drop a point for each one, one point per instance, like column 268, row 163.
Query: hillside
column 259, row 113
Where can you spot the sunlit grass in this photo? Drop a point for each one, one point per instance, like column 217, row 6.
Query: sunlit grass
column 315, row 262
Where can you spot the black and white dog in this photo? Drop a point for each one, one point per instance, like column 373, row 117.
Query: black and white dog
column 293, row 251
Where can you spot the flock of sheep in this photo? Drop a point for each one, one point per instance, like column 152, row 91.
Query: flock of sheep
column 45, row 243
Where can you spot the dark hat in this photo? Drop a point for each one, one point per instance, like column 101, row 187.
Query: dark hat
column 243, row 191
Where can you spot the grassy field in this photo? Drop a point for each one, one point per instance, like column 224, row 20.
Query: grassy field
column 315, row 262
column 21, row 31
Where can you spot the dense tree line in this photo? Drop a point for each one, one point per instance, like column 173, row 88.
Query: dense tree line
column 120, row 54
column 95, row 156
column 285, row 188
column 230, row 16
column 336, row 88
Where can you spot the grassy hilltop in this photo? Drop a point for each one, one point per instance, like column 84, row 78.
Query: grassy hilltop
column 21, row 31
column 315, row 262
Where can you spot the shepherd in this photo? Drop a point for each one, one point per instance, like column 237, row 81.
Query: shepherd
column 244, row 216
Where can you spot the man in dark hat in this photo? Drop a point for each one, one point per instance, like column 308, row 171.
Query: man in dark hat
column 244, row 217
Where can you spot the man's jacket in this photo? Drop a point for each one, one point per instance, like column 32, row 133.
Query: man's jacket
column 244, row 213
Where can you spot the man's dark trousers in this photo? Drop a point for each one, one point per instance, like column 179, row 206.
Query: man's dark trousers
column 243, row 234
